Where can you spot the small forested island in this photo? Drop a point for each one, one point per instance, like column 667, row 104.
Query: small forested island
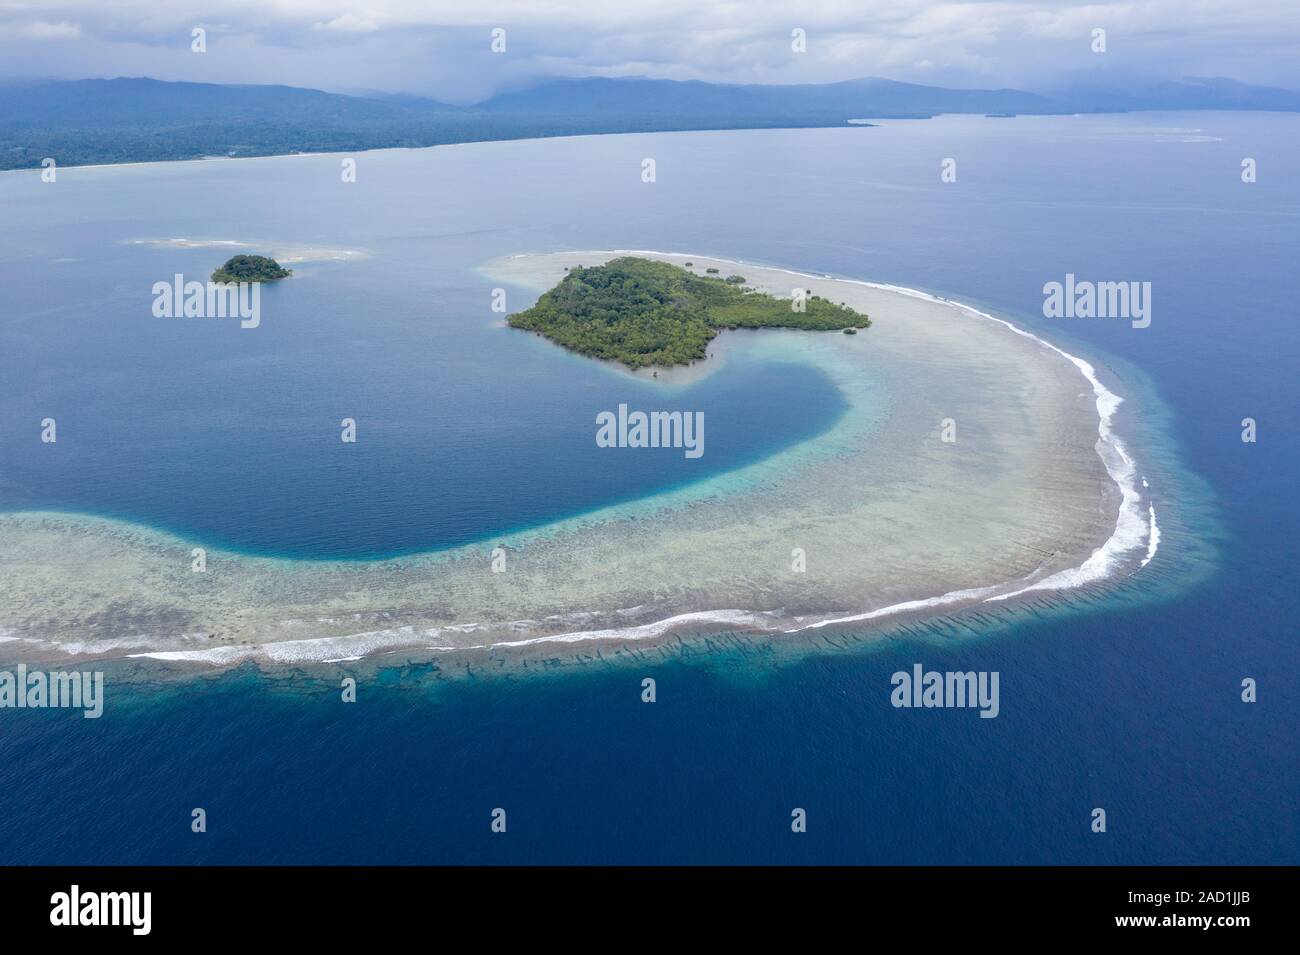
column 644, row 313
column 250, row 268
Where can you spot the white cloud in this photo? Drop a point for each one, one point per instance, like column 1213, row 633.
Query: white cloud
column 41, row 30
column 440, row 47
column 348, row 23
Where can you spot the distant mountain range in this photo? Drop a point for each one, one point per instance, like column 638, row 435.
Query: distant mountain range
column 132, row 120
column 830, row 102
column 1194, row 92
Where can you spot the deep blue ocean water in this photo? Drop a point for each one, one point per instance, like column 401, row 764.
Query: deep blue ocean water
column 1128, row 701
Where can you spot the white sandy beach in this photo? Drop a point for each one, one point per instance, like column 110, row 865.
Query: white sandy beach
column 1034, row 493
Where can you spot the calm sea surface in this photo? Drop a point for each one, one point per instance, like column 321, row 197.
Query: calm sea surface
column 1130, row 702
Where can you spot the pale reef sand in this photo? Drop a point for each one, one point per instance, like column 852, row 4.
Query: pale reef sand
column 285, row 254
column 1035, row 493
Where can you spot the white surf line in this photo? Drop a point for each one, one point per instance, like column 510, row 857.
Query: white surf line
column 1153, row 535
column 742, row 618
column 312, row 650
column 951, row 597
column 1130, row 532
column 1130, row 529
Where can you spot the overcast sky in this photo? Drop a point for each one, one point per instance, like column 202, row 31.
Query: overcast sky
column 441, row 47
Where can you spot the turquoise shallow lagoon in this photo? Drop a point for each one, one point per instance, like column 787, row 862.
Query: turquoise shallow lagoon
column 974, row 463
column 1125, row 696
column 230, row 436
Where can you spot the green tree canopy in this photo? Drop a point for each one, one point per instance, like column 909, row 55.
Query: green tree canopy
column 643, row 313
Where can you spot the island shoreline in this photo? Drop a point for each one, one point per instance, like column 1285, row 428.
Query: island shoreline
column 1130, row 534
